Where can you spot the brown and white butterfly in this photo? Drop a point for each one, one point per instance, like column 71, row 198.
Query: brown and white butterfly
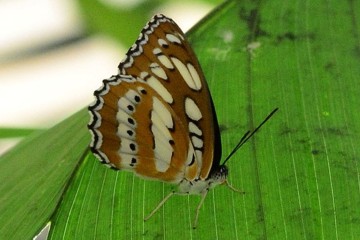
column 156, row 117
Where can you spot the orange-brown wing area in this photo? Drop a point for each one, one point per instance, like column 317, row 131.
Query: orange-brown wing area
column 164, row 59
column 134, row 129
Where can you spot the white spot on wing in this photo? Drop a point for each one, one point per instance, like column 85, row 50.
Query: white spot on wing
column 158, row 71
column 194, row 155
column 172, row 38
column 124, row 131
column 161, row 166
column 194, row 129
column 143, row 75
column 180, row 36
column 128, row 161
column 197, row 142
column 190, row 155
column 165, row 61
column 198, row 155
column 162, row 42
column 192, row 110
column 163, row 150
column 160, row 89
column 157, row 51
column 195, row 76
column 133, row 96
column 160, row 130
column 185, row 73
column 123, row 117
column 162, row 111
column 125, row 146
column 125, row 105
column 161, row 122
column 162, row 58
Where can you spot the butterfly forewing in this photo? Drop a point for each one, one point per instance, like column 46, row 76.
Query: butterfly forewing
column 164, row 59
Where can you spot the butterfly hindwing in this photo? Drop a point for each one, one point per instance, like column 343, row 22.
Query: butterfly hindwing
column 137, row 132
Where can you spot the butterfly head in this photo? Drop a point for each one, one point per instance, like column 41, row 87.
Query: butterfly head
column 219, row 174
column 219, row 177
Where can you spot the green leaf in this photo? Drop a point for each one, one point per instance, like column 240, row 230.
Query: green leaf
column 16, row 132
column 35, row 173
column 300, row 173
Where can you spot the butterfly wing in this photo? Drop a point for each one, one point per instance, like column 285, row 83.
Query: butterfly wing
column 175, row 123
column 133, row 129
column 162, row 55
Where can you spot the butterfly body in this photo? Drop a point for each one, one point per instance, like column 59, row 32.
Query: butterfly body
column 198, row 186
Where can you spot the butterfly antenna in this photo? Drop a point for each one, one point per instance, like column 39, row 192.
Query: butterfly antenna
column 248, row 135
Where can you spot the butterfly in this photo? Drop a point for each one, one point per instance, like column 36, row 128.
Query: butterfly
column 156, row 117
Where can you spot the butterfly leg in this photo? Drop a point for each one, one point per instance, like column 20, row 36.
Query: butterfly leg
column 203, row 196
column 232, row 188
column 159, row 205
